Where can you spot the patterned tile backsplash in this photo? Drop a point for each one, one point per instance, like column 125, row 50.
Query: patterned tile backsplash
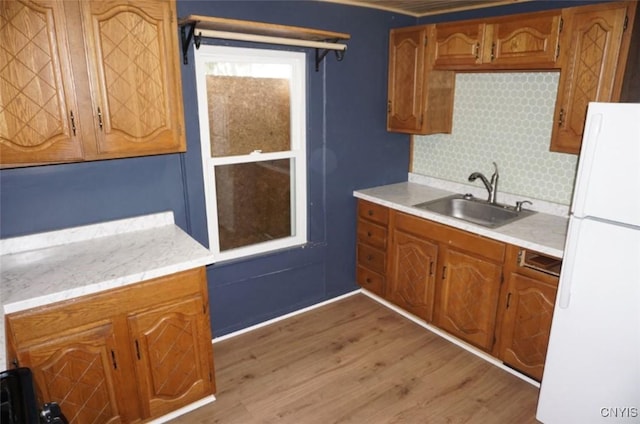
column 506, row 118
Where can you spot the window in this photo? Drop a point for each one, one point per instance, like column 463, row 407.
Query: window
column 252, row 111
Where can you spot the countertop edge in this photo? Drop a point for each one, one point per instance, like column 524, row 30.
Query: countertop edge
column 452, row 222
column 106, row 285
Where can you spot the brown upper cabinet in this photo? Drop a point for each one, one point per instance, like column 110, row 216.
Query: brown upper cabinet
column 595, row 43
column 589, row 45
column 89, row 80
column 514, row 42
column 420, row 99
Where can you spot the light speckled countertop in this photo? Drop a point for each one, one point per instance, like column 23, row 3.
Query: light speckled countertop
column 44, row 268
column 542, row 232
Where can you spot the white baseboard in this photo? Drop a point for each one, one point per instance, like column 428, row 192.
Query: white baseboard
column 283, row 317
column 191, row 407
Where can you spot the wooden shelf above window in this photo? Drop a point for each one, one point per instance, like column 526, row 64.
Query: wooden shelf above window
column 234, row 29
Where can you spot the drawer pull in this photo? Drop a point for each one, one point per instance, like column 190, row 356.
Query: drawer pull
column 368, row 280
column 370, row 212
column 368, row 233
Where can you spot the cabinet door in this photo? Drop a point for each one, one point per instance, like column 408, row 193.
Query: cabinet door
column 458, row 44
column 406, row 79
column 174, row 359
column 529, row 42
column 527, row 323
column 468, row 297
column 79, row 370
column 133, row 68
column 590, row 47
column 38, row 109
column 413, row 274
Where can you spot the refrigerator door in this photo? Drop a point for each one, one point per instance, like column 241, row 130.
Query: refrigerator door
column 592, row 370
column 608, row 179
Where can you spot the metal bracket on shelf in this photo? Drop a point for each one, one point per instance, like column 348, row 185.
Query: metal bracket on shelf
column 186, row 39
column 322, row 53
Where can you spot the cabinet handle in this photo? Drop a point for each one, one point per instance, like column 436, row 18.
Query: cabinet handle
column 477, row 50
column 368, row 280
column 99, row 117
column 113, row 360
column 444, row 272
column 368, row 233
column 493, row 51
column 431, row 268
column 137, row 349
column 73, row 122
column 369, row 258
column 561, row 118
column 370, row 212
column 508, row 300
column 389, row 106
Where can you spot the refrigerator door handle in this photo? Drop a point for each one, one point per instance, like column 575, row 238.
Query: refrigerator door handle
column 568, row 264
column 587, row 157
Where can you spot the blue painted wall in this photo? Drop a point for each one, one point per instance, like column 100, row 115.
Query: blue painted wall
column 348, row 148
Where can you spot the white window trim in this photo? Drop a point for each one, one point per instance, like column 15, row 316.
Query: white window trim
column 297, row 60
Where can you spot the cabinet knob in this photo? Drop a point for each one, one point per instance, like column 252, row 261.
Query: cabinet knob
column 368, row 280
column 369, row 257
column 368, row 233
column 370, row 212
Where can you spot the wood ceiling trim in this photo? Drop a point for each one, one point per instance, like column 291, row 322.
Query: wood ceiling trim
column 425, row 7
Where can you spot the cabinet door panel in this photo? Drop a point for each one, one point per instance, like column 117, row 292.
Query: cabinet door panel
column 77, row 371
column 527, row 323
column 173, row 355
column 413, row 274
column 468, row 297
column 132, row 64
column 528, row 42
column 591, row 46
column 406, row 80
column 458, row 44
column 37, row 97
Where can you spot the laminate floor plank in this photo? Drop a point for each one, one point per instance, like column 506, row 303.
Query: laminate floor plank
column 356, row 361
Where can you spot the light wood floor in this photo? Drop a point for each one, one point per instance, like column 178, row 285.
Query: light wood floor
column 356, row 361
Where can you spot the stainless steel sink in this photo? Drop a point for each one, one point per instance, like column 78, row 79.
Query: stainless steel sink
column 474, row 210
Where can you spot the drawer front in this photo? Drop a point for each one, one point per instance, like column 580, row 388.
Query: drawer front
column 370, row 280
column 372, row 234
column 487, row 248
column 61, row 316
column 371, row 258
column 373, row 212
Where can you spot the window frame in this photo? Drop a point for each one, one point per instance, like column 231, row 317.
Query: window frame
column 298, row 135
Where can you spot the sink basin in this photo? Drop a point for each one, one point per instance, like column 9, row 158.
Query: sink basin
column 475, row 210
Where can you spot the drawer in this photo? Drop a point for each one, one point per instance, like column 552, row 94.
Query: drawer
column 370, row 280
column 373, row 212
column 485, row 247
column 371, row 258
column 372, row 234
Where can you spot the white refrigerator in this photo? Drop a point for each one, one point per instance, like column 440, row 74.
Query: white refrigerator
column 592, row 370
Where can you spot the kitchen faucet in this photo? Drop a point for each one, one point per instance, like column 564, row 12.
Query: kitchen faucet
column 492, row 187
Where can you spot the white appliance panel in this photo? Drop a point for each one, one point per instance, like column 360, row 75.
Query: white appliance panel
column 608, row 179
column 592, row 369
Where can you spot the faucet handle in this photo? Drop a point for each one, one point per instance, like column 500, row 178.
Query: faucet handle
column 520, row 203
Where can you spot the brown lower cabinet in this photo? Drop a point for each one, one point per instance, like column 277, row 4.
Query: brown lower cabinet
column 525, row 313
column 123, row 355
column 473, row 287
